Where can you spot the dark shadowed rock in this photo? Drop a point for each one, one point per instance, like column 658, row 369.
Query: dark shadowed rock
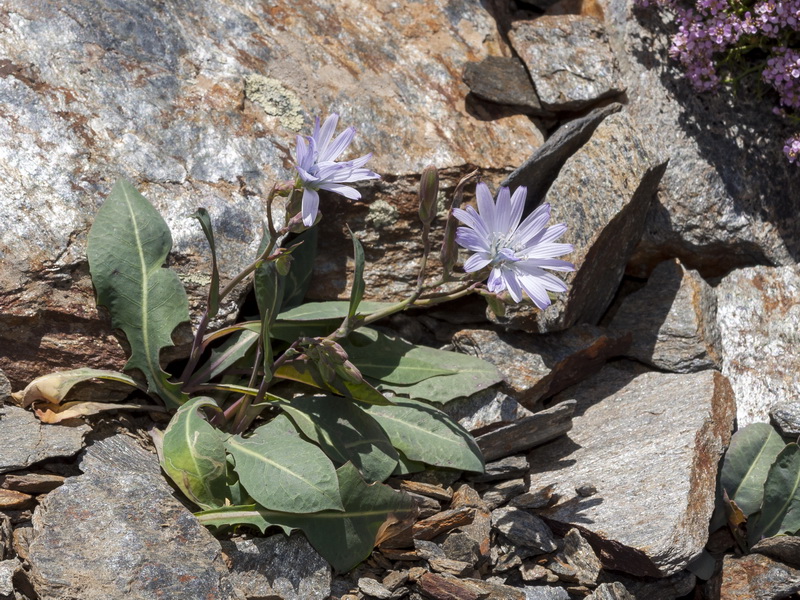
column 536, row 367
column 24, row 440
column 526, row 433
column 503, row 80
column 526, row 531
column 783, row 548
column 5, row 388
column 602, row 193
column 118, row 531
column 673, row 320
column 758, row 311
column 282, row 566
column 569, row 60
column 188, row 105
column 729, row 197
column 756, row 577
column 647, row 588
column 649, row 443
column 539, row 171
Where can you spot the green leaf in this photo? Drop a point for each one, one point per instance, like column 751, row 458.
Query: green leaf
column 780, row 512
column 299, row 278
column 334, row 310
column 54, row 387
column 343, row 538
column 423, row 433
column 357, row 291
column 345, row 433
column 128, row 244
column 249, row 514
column 269, row 286
column 744, row 470
column 194, row 454
column 445, row 388
column 213, row 289
column 233, row 349
column 406, row 466
column 283, row 472
column 306, row 372
column 392, row 359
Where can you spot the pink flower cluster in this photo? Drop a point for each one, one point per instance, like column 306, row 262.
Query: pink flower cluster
column 725, row 38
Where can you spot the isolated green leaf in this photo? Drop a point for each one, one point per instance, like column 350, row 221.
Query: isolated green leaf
column 284, row 472
column 752, row 451
column 307, row 372
column 345, row 539
column 392, row 359
column 445, row 388
column 423, row 433
column 780, row 511
column 357, row 291
column 194, row 454
column 334, row 310
column 345, row 433
column 213, row 289
column 128, row 244
column 54, row 387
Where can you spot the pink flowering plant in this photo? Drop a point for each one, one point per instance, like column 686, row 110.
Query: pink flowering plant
column 294, row 418
column 720, row 42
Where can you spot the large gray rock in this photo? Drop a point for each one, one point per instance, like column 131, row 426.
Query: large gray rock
column 280, row 566
column 92, row 91
column 503, row 80
column 569, row 60
column 602, row 193
column 729, row 196
column 25, row 440
column 673, row 320
column 758, row 311
column 536, row 367
column 118, row 531
column 649, row 443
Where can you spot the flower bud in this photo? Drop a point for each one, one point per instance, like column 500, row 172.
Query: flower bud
column 283, row 263
column 428, row 194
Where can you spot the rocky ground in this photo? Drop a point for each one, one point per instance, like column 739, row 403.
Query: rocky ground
column 604, row 440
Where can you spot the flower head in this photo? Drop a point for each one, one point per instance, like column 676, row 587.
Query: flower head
column 518, row 252
column 315, row 157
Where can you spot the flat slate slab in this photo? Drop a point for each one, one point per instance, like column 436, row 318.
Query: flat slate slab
column 24, row 440
column 117, row 531
column 649, row 443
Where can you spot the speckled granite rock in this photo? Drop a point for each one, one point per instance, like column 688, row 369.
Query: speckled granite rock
column 758, row 311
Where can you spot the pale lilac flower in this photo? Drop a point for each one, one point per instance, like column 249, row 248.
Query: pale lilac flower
column 517, row 252
column 316, row 155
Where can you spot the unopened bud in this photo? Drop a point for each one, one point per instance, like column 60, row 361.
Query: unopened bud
column 449, row 253
column 283, row 263
column 428, row 194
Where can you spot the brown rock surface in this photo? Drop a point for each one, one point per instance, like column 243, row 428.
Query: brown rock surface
column 757, row 577
column 92, row 91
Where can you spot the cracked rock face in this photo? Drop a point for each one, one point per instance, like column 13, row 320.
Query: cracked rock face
column 92, row 91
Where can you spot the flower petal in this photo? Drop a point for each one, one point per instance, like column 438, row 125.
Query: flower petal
column 532, row 225
column 486, row 206
column 472, row 219
column 310, row 206
column 547, row 250
column 342, row 190
column 476, row 262
column 517, row 207
column 536, row 291
column 512, row 283
column 502, row 211
column 496, row 283
column 471, row 240
column 339, row 145
column 323, row 136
